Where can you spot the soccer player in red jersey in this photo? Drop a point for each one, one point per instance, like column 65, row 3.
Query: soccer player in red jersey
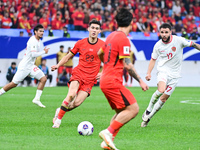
column 116, row 56
column 85, row 75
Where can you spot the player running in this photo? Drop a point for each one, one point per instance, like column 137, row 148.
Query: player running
column 85, row 75
column 116, row 56
column 26, row 66
column 169, row 50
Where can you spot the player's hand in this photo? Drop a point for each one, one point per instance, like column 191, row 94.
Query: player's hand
column 98, row 76
column 148, row 76
column 46, row 50
column 143, row 85
column 54, row 67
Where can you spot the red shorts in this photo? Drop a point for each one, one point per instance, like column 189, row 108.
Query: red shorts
column 69, row 69
column 119, row 97
column 83, row 84
column 60, row 69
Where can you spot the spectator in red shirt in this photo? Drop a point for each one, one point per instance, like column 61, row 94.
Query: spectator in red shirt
column 196, row 9
column 78, row 18
column 191, row 16
column 23, row 23
column 189, row 27
column 44, row 21
column 134, row 24
column 96, row 16
column 33, row 22
column 56, row 23
column 6, row 21
column 183, row 10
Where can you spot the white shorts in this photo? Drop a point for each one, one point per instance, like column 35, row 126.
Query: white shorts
column 20, row 75
column 170, row 82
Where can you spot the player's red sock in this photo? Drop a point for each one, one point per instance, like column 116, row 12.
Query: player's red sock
column 62, row 111
column 114, row 134
column 115, row 125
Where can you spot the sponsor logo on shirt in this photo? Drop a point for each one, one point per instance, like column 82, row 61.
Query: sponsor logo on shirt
column 162, row 51
column 173, row 49
column 90, row 49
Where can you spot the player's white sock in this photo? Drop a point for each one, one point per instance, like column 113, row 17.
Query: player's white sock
column 38, row 94
column 2, row 91
column 153, row 100
column 158, row 105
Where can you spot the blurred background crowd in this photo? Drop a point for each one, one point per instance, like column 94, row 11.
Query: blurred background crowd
column 148, row 15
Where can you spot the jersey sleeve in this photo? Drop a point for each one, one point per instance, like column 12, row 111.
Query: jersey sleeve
column 155, row 53
column 124, row 48
column 185, row 42
column 75, row 48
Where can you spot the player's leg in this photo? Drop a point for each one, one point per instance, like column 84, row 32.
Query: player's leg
column 73, row 88
column 39, row 75
column 126, row 109
column 156, row 95
column 161, row 101
column 7, row 87
column 18, row 77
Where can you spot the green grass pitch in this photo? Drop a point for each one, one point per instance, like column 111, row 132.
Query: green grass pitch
column 25, row 126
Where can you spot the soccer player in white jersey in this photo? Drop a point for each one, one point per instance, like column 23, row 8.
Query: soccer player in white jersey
column 169, row 50
column 26, row 66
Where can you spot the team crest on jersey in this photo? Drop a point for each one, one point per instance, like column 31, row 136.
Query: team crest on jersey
column 173, row 49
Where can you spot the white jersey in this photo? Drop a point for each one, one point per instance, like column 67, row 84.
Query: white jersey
column 170, row 55
column 32, row 51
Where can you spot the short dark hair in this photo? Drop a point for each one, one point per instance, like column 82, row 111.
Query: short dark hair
column 124, row 17
column 37, row 27
column 13, row 63
column 61, row 46
column 166, row 25
column 94, row 21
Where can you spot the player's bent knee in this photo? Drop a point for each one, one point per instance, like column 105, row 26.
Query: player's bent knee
column 43, row 79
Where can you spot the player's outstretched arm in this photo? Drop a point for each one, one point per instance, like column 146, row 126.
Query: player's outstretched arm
column 36, row 54
column 62, row 61
column 195, row 45
column 131, row 70
column 150, row 68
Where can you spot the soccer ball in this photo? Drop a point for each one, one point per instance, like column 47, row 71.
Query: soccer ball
column 85, row 128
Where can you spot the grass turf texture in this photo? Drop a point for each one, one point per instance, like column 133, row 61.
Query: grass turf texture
column 27, row 126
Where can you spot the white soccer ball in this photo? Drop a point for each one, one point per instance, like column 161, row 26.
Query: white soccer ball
column 85, row 128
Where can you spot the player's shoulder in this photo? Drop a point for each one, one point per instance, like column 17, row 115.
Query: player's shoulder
column 32, row 40
column 100, row 41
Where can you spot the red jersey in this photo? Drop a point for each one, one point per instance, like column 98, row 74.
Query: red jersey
column 89, row 62
column 117, row 46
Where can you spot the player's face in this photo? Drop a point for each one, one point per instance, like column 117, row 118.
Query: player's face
column 39, row 33
column 94, row 30
column 165, row 34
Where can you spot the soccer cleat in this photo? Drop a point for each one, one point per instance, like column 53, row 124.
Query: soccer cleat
column 37, row 102
column 104, row 145
column 56, row 115
column 145, row 118
column 56, row 123
column 107, row 137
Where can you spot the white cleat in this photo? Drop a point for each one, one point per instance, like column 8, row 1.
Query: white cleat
column 56, row 115
column 56, row 123
column 104, row 145
column 107, row 137
column 37, row 102
column 145, row 119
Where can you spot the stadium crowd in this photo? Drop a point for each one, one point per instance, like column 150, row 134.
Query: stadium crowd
column 148, row 15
